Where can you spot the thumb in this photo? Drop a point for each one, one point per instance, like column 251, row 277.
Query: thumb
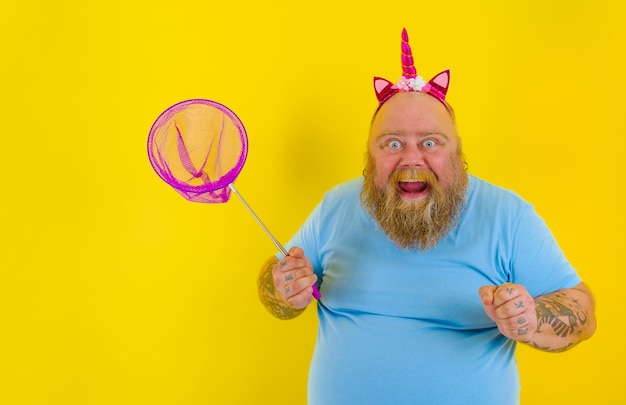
column 296, row 252
column 486, row 294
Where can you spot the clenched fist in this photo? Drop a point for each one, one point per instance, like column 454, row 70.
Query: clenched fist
column 512, row 308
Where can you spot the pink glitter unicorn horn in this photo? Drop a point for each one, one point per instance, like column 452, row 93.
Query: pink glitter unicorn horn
column 408, row 68
column 410, row 81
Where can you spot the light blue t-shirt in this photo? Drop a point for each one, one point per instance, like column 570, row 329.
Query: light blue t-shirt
column 408, row 327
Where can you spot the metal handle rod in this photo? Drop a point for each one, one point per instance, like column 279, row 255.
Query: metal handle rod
column 267, row 231
column 280, row 247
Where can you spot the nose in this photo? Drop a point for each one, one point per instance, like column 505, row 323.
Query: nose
column 412, row 156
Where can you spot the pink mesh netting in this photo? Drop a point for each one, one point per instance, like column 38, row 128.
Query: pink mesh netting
column 198, row 147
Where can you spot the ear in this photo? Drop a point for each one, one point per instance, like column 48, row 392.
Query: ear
column 440, row 84
column 383, row 88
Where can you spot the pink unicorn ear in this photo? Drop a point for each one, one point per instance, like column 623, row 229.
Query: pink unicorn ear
column 439, row 84
column 383, row 88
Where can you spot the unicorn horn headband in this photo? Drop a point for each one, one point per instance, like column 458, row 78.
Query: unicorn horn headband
column 410, row 81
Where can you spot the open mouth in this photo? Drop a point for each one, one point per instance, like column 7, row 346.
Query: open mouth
column 412, row 188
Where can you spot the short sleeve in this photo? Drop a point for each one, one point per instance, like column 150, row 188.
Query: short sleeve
column 537, row 261
column 307, row 238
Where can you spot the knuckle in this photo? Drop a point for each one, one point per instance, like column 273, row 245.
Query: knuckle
column 276, row 270
column 299, row 285
column 297, row 302
column 511, row 324
column 504, row 312
column 278, row 282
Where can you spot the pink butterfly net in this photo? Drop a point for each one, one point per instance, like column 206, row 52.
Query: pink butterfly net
column 199, row 148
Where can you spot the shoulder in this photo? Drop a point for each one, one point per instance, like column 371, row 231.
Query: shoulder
column 341, row 200
column 345, row 192
column 349, row 186
column 488, row 195
column 491, row 205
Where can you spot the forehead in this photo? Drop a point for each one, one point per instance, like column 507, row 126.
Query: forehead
column 413, row 113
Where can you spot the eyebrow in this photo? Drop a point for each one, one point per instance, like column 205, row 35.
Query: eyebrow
column 422, row 135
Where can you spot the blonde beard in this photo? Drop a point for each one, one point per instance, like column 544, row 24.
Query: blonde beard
column 415, row 224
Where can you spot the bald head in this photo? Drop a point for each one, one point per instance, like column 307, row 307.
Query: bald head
column 417, row 95
column 412, row 113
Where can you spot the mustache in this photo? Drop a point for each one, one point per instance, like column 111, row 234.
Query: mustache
column 422, row 175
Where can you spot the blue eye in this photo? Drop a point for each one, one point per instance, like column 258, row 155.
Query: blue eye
column 394, row 144
column 429, row 143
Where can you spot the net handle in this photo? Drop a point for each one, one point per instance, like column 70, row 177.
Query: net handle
column 280, row 247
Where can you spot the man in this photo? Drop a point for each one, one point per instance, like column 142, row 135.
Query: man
column 429, row 276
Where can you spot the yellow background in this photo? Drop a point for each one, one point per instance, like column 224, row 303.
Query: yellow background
column 116, row 290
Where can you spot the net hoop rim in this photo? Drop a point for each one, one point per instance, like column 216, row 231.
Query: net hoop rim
column 223, row 182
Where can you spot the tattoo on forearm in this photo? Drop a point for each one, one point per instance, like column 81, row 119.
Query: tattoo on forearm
column 564, row 315
column 271, row 299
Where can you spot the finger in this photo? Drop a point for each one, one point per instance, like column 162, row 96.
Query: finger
column 302, row 299
column 506, row 292
column 297, row 286
column 512, row 300
column 517, row 328
column 516, row 322
column 513, row 308
column 293, row 275
column 289, row 263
